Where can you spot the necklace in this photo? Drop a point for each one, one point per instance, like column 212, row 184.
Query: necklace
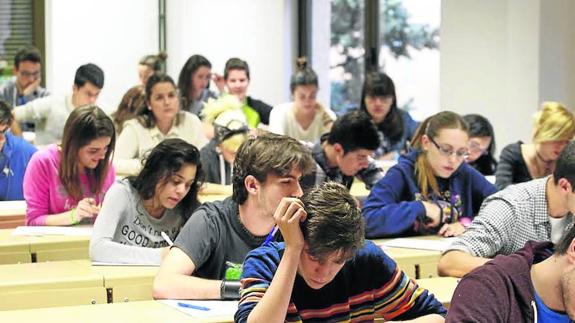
column 547, row 164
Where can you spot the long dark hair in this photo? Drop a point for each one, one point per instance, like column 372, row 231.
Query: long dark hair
column 82, row 126
column 146, row 116
column 479, row 126
column 380, row 84
column 166, row 159
column 185, row 79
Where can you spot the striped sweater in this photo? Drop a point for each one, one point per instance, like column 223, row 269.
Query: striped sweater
column 369, row 285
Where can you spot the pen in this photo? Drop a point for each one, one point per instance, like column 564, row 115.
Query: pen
column 192, row 306
column 270, row 236
column 168, row 240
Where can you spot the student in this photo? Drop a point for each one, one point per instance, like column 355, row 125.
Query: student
column 194, row 83
column 304, row 118
column 481, row 144
column 149, row 65
column 395, row 126
column 321, row 272
column 132, row 104
column 162, row 119
column 25, row 86
column 431, row 190
column 65, row 184
column 519, row 162
column 50, row 113
column 136, row 210
column 346, row 152
column 15, row 153
column 535, row 284
column 237, row 78
column 537, row 210
column 203, row 262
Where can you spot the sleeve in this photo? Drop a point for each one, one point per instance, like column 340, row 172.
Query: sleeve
column 37, row 185
column 371, row 174
column 198, row 237
column 126, row 159
column 33, row 111
column 194, row 128
column 102, row 247
column 384, row 211
column 258, row 271
column 504, row 171
column 277, row 120
column 479, row 298
column 397, row 296
column 489, row 231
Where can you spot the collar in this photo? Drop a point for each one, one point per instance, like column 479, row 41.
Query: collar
column 540, row 198
column 172, row 133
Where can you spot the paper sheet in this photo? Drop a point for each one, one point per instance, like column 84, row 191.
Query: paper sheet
column 217, row 308
column 101, row 263
column 424, row 244
column 50, row 230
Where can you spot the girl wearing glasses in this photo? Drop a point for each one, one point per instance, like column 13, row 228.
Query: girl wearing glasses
column 431, row 189
column 519, row 162
column 481, row 144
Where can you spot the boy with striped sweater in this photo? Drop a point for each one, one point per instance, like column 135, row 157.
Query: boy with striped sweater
column 325, row 272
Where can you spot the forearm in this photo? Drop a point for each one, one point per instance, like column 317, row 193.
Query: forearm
column 179, row 286
column 457, row 263
column 64, row 218
column 274, row 304
column 105, row 250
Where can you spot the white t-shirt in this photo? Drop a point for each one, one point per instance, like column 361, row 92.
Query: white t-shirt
column 283, row 122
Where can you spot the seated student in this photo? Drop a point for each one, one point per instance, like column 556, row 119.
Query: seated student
column 150, row 64
column 325, row 271
column 194, row 84
column 218, row 155
column 203, row 262
column 345, row 152
column 136, row 210
column 50, row 113
column 162, row 119
column 537, row 210
column 65, row 184
column 132, row 104
column 481, row 144
column 15, row 153
column 304, row 118
column 519, row 162
column 431, row 190
column 395, row 126
column 237, row 78
column 535, row 284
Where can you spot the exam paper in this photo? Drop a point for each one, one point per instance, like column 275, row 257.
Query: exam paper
column 412, row 243
column 51, row 230
column 217, row 308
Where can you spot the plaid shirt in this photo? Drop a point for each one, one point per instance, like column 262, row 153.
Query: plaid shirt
column 507, row 220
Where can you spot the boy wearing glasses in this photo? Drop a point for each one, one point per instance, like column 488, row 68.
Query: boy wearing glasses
column 25, row 86
column 431, row 190
column 538, row 210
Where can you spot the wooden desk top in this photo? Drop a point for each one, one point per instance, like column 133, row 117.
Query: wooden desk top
column 441, row 287
column 11, row 208
column 136, row 312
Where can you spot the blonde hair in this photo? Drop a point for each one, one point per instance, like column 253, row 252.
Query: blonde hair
column 553, row 122
column 226, row 115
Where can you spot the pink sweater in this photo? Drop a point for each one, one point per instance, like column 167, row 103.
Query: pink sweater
column 44, row 193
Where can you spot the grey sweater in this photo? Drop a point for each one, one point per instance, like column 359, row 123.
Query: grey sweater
column 124, row 232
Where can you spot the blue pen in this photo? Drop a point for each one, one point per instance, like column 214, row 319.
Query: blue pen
column 192, row 306
column 270, row 236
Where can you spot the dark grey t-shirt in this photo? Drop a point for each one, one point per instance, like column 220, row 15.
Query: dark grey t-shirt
column 213, row 236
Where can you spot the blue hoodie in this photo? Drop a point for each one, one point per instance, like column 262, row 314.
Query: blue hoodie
column 392, row 209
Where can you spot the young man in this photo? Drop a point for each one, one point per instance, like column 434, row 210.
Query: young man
column 15, row 153
column 346, row 152
column 528, row 286
column 214, row 241
column 325, row 272
column 537, row 210
column 25, row 86
column 50, row 113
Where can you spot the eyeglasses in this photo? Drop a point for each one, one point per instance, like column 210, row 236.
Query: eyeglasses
column 447, row 152
column 476, row 148
column 27, row 74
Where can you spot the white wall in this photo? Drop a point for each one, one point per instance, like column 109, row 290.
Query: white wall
column 112, row 34
column 258, row 31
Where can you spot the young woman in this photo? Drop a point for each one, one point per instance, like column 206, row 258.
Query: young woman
column 431, row 189
column 194, row 82
column 131, row 105
column 162, row 119
column 395, row 126
column 149, row 65
column 237, row 78
column 481, row 144
column 65, row 184
column 138, row 209
column 304, row 118
column 554, row 128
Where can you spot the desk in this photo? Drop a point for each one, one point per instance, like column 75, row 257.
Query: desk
column 442, row 287
column 211, row 197
column 133, row 312
column 13, row 249
column 12, row 214
column 127, row 283
column 416, row 263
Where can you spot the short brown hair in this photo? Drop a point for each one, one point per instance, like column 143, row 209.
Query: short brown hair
column 265, row 154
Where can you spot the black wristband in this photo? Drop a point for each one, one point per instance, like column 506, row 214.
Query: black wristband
column 230, row 290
